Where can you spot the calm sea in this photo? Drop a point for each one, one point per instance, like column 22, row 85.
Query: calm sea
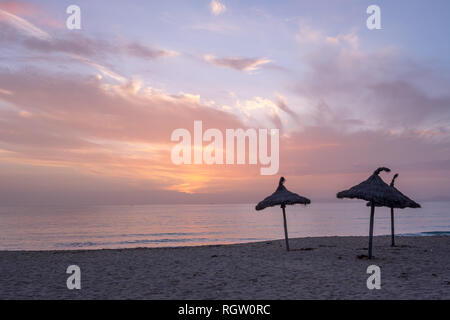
column 94, row 227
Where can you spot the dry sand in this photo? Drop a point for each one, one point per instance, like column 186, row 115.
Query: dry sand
column 316, row 268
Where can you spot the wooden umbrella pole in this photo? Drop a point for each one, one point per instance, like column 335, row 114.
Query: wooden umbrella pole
column 392, row 227
column 372, row 213
column 285, row 228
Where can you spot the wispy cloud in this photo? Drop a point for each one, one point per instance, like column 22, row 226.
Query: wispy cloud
column 312, row 36
column 3, row 91
column 19, row 8
column 222, row 27
column 23, row 25
column 217, row 8
column 104, row 70
column 28, row 9
column 139, row 50
column 20, row 31
column 237, row 63
column 307, row 34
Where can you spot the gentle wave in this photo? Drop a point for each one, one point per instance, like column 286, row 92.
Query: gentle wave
column 145, row 241
column 197, row 240
column 148, row 241
column 163, row 234
column 425, row 234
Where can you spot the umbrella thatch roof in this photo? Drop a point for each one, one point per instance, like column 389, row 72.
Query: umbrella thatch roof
column 374, row 189
column 406, row 202
column 282, row 197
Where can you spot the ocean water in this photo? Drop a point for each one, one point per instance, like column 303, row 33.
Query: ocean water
column 96, row 227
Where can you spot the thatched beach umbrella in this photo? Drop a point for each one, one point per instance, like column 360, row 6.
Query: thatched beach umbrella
column 282, row 197
column 407, row 203
column 374, row 190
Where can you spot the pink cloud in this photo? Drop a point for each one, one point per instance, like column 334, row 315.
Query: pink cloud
column 237, row 63
column 26, row 9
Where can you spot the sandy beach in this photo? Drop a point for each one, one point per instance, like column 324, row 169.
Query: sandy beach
column 316, row 268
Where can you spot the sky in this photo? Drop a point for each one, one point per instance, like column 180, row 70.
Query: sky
column 86, row 115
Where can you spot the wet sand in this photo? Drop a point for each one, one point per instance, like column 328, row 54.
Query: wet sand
column 315, row 268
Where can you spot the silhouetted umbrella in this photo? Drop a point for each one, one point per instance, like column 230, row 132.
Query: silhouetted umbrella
column 282, row 197
column 374, row 190
column 407, row 203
